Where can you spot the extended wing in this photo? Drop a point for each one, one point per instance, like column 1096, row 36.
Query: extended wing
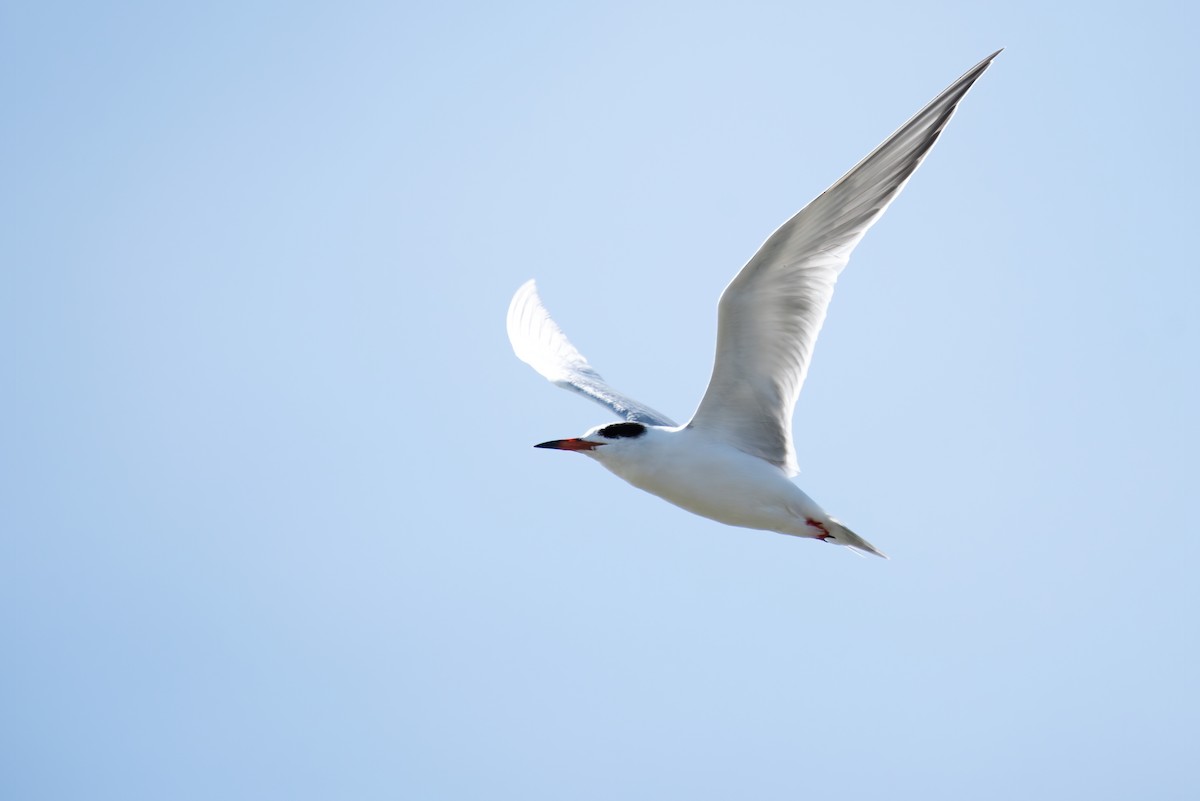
column 770, row 314
column 539, row 342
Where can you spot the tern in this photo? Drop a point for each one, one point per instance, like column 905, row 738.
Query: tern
column 734, row 461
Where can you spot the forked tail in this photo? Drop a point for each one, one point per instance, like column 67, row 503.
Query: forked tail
column 844, row 536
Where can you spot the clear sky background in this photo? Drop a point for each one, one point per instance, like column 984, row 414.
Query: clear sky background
column 270, row 521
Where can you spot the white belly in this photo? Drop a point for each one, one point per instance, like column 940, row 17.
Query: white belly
column 719, row 482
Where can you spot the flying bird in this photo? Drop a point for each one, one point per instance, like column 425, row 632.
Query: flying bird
column 734, row 460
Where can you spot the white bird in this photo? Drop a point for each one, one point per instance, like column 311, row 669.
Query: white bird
column 734, row 460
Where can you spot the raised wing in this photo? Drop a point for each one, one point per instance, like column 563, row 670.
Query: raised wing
column 770, row 314
column 539, row 342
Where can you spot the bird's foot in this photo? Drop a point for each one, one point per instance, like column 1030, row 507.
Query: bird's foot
column 824, row 536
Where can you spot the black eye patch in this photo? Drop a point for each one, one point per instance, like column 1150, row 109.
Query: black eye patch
column 620, row 430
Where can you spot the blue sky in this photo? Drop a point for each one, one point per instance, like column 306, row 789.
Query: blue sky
column 270, row 521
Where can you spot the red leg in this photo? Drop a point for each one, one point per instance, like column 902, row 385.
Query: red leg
column 819, row 526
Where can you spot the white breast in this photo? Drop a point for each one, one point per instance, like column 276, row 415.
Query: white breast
column 712, row 479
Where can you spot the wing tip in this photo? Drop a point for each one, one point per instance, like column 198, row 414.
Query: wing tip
column 520, row 302
column 525, row 303
column 521, row 296
column 969, row 77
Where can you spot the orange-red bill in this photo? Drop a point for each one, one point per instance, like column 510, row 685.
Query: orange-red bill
column 569, row 444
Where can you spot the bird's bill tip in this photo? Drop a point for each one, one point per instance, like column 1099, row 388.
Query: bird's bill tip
column 575, row 444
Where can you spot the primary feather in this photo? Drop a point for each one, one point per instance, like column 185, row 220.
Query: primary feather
column 539, row 342
column 770, row 314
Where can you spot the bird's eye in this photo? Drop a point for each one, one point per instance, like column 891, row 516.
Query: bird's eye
column 620, row 430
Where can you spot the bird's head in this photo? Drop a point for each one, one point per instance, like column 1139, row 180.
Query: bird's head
column 598, row 440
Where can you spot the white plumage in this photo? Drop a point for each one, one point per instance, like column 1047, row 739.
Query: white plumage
column 733, row 461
